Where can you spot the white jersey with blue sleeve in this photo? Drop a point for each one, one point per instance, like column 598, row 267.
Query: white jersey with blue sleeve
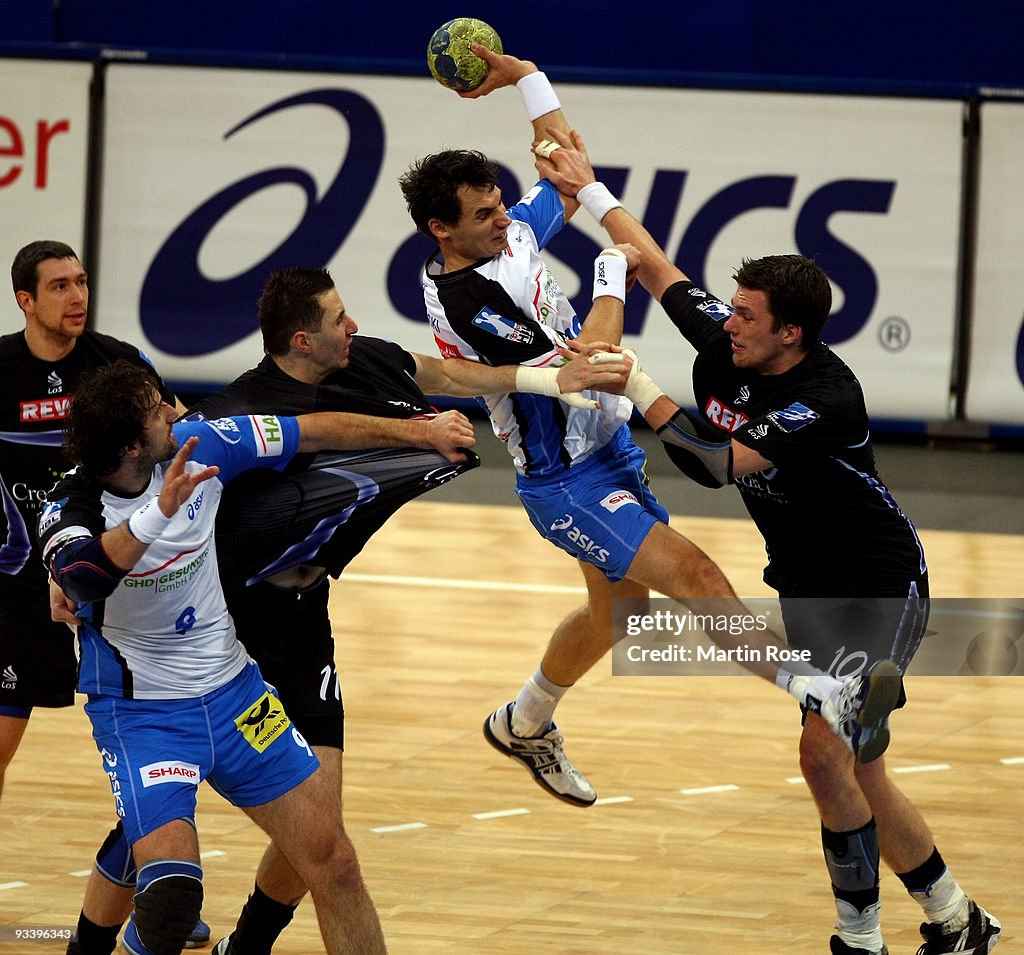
column 164, row 632
column 509, row 310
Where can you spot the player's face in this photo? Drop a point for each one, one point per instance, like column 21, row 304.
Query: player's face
column 482, row 229
column 330, row 345
column 60, row 304
column 756, row 343
column 158, row 442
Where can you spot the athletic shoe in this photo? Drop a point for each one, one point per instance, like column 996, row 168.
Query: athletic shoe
column 223, row 946
column 979, row 936
column 542, row 755
column 200, row 936
column 838, row 947
column 859, row 710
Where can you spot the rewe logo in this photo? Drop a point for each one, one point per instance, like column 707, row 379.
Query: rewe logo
column 45, row 409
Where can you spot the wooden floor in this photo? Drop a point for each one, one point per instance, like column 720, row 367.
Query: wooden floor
column 439, row 622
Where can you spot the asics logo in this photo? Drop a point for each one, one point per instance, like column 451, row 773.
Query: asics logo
column 562, row 523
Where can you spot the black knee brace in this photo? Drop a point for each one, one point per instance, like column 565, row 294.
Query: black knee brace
column 167, row 907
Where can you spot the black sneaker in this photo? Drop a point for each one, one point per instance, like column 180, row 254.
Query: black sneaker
column 978, row 936
column 838, row 947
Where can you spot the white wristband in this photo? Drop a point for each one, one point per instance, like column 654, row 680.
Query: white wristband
column 539, row 97
column 148, row 522
column 610, row 274
column 597, row 200
column 538, row 381
column 544, row 381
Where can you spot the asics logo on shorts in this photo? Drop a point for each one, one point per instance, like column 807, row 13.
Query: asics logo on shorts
column 562, row 523
column 263, row 722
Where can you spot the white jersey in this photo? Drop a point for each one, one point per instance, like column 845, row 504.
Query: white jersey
column 509, row 310
column 165, row 631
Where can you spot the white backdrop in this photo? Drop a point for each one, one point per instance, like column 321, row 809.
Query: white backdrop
column 44, row 110
column 996, row 382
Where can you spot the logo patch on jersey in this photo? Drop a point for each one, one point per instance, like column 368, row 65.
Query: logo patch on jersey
column 226, row 429
column 263, row 722
column 10, row 681
column 490, row 321
column 744, row 396
column 447, row 350
column 724, row 417
column 618, row 499
column 54, row 384
column 761, row 431
column 45, row 409
column 793, row 418
column 51, row 514
column 719, row 311
column 268, row 434
column 171, row 771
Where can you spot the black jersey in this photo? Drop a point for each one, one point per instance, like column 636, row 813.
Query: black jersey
column 262, row 512
column 831, row 527
column 36, row 397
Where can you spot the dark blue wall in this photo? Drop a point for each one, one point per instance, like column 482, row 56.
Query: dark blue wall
column 955, row 42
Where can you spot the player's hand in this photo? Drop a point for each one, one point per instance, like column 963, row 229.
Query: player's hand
column 581, row 373
column 505, row 70
column 568, row 167
column 449, row 433
column 62, row 607
column 178, row 484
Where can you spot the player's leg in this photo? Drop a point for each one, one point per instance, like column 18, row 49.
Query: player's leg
column 303, row 672
column 306, row 823
column 524, row 729
column 13, row 723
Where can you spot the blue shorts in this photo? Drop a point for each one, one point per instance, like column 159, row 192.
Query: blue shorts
column 157, row 752
column 17, row 712
column 599, row 510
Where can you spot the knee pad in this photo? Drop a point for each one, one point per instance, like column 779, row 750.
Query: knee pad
column 115, row 860
column 167, row 907
column 852, row 860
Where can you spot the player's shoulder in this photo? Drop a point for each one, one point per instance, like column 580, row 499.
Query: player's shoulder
column 12, row 345
column 106, row 347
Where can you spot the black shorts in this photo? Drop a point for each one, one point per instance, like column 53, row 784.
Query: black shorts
column 38, row 662
column 288, row 633
column 848, row 635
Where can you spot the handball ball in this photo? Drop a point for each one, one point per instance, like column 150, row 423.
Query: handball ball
column 451, row 61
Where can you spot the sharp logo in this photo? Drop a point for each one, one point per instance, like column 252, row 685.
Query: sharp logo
column 618, row 499
column 172, row 771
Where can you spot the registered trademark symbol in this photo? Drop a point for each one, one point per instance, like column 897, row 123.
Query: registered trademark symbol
column 894, row 333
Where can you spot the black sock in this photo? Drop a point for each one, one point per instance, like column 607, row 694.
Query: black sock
column 929, row 871
column 261, row 922
column 93, row 939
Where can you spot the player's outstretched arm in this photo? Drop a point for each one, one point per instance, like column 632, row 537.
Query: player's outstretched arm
column 446, row 433
column 569, row 169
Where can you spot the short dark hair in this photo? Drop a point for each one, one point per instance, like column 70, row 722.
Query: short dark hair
column 289, row 304
column 108, row 415
column 25, row 268
column 431, row 185
column 797, row 288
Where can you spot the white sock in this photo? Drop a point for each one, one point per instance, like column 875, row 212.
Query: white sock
column 811, row 690
column 944, row 902
column 862, row 930
column 535, row 705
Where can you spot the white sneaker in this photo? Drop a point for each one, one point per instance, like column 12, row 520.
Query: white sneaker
column 858, row 711
column 542, row 755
